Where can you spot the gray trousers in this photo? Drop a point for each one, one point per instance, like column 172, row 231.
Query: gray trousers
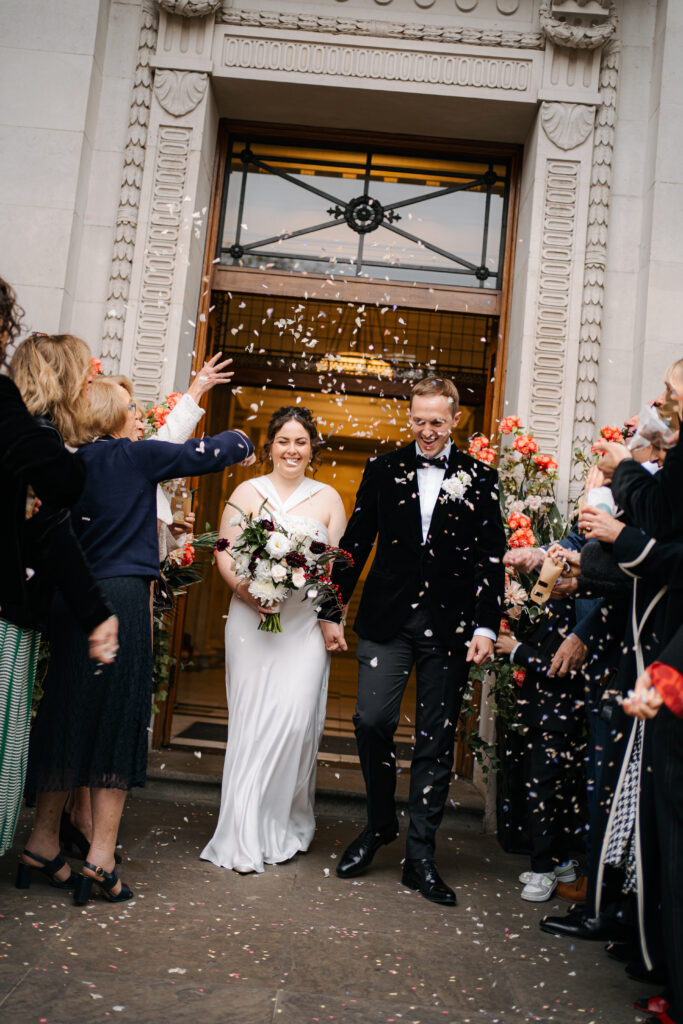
column 383, row 671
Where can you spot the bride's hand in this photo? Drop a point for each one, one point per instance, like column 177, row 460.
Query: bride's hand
column 243, row 593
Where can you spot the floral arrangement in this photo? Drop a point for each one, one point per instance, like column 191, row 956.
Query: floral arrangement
column 589, row 457
column 182, row 567
column 531, row 517
column 455, row 487
column 156, row 415
column 279, row 561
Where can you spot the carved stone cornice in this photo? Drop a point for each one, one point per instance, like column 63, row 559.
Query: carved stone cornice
column 567, row 124
column 179, row 92
column 578, row 24
column 383, row 29
column 191, row 8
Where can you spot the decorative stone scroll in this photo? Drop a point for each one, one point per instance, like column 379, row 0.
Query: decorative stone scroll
column 191, row 8
column 567, row 124
column 472, row 36
column 414, row 66
column 578, row 24
column 179, row 92
column 129, row 199
column 585, row 412
column 160, row 257
column 550, row 348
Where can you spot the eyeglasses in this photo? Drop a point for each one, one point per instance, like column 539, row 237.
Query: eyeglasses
column 131, row 407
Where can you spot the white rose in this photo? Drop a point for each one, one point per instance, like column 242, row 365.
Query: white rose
column 278, row 545
column 263, row 570
column 278, row 572
column 298, row 578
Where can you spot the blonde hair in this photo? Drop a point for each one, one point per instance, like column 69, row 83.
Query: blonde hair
column 108, row 411
column 437, row 386
column 51, row 371
column 675, row 370
column 125, row 382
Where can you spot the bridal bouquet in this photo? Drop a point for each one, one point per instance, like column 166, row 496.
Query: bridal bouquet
column 278, row 561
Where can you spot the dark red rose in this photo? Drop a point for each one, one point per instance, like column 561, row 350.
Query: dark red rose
column 268, row 525
column 295, row 560
column 318, row 548
column 222, row 544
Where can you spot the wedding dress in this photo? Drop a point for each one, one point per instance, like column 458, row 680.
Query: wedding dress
column 277, row 690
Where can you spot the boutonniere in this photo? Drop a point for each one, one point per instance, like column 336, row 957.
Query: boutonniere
column 455, row 487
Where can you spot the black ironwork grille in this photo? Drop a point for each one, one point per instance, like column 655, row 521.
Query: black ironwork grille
column 350, row 339
column 368, row 214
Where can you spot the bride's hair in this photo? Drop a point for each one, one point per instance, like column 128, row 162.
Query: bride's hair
column 301, row 415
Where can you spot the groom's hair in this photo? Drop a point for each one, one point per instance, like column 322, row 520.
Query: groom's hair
column 437, row 386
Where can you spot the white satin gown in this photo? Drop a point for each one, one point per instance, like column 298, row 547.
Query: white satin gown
column 277, row 691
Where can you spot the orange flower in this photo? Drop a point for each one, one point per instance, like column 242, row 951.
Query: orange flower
column 173, row 399
column 510, row 423
column 612, row 434
column 525, row 444
column 486, row 455
column 546, row 463
column 518, row 521
column 522, row 538
column 478, row 442
column 95, row 366
column 519, row 675
column 187, row 557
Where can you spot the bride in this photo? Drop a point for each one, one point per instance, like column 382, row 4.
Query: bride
column 276, row 682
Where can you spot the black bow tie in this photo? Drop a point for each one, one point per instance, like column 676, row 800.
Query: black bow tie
column 439, row 462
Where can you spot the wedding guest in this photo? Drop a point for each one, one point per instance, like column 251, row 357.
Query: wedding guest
column 34, row 461
column 548, row 708
column 91, row 729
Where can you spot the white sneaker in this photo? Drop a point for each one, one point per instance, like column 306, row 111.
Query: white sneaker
column 539, row 888
column 563, row 872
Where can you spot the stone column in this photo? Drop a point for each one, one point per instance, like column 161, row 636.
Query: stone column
column 174, row 198
column 557, row 299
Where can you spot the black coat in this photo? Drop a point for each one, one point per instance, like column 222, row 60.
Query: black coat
column 32, row 452
column 551, row 703
column 458, row 571
column 652, row 502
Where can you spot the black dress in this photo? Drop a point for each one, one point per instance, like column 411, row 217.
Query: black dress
column 92, row 724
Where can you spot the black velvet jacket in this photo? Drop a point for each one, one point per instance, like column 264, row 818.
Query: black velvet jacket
column 458, row 571
column 32, row 452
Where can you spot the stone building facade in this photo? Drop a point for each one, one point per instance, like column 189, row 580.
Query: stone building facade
column 110, row 126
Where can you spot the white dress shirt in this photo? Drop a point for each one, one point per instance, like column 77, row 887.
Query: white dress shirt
column 429, row 480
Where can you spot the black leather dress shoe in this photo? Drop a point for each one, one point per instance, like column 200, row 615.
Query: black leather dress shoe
column 357, row 857
column 575, row 925
column 423, row 876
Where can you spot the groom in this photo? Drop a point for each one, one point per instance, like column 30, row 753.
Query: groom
column 432, row 599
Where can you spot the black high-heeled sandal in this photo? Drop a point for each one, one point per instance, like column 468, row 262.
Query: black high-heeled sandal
column 72, row 840
column 47, row 867
column 106, row 881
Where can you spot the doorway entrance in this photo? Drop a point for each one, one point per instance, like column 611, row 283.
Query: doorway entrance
column 394, row 264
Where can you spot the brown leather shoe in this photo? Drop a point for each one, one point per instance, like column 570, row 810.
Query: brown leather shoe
column 573, row 892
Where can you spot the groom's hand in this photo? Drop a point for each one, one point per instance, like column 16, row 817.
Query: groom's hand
column 480, row 650
column 333, row 635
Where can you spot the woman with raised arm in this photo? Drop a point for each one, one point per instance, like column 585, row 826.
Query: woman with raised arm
column 91, row 728
column 276, row 682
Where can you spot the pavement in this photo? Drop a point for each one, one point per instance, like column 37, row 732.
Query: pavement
column 296, row 944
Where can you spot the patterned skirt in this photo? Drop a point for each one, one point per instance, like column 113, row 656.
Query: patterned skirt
column 18, row 660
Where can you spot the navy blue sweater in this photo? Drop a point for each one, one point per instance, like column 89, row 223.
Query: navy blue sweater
column 116, row 518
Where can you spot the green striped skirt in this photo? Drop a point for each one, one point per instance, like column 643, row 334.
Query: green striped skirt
column 18, row 660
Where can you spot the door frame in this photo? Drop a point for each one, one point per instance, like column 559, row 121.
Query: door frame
column 479, row 301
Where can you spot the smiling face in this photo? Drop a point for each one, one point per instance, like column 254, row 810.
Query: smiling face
column 431, row 421
column 291, row 450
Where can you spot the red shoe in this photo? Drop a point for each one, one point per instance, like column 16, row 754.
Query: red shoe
column 655, row 1004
